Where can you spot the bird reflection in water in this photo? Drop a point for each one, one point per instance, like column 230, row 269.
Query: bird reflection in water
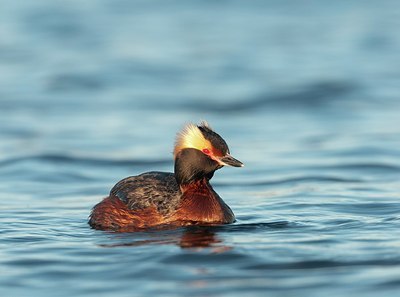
column 188, row 238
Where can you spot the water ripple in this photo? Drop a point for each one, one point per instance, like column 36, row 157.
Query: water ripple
column 312, row 96
column 293, row 180
column 321, row 264
column 317, row 203
column 87, row 161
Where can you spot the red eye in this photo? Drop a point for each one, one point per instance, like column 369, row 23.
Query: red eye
column 206, row 151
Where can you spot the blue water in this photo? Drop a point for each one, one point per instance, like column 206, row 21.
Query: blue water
column 306, row 93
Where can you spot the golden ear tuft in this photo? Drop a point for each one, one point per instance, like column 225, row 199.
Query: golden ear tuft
column 191, row 137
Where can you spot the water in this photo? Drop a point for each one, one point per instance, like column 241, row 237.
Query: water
column 306, row 94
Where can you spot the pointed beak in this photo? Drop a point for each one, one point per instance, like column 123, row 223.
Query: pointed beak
column 228, row 160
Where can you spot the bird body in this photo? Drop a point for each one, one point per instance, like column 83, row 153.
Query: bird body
column 182, row 198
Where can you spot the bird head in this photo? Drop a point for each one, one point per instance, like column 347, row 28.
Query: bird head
column 199, row 151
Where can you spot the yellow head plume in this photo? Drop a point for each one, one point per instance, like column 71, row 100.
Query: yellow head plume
column 191, row 137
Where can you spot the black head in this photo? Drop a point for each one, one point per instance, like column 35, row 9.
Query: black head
column 199, row 151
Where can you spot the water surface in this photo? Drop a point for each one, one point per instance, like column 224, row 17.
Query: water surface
column 306, row 94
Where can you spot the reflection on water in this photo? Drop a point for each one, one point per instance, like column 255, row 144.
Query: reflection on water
column 306, row 94
column 195, row 237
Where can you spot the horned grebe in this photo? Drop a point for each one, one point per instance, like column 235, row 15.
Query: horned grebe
column 182, row 198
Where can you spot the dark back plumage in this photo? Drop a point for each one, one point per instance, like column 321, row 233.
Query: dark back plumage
column 158, row 189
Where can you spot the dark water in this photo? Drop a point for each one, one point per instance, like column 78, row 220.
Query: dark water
column 306, row 93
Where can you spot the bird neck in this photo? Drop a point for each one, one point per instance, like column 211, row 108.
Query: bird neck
column 195, row 185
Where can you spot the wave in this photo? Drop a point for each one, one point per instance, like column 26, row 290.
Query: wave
column 311, row 96
column 365, row 167
column 317, row 264
column 67, row 159
column 300, row 179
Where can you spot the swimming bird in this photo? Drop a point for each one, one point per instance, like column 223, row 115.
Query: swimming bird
column 182, row 198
